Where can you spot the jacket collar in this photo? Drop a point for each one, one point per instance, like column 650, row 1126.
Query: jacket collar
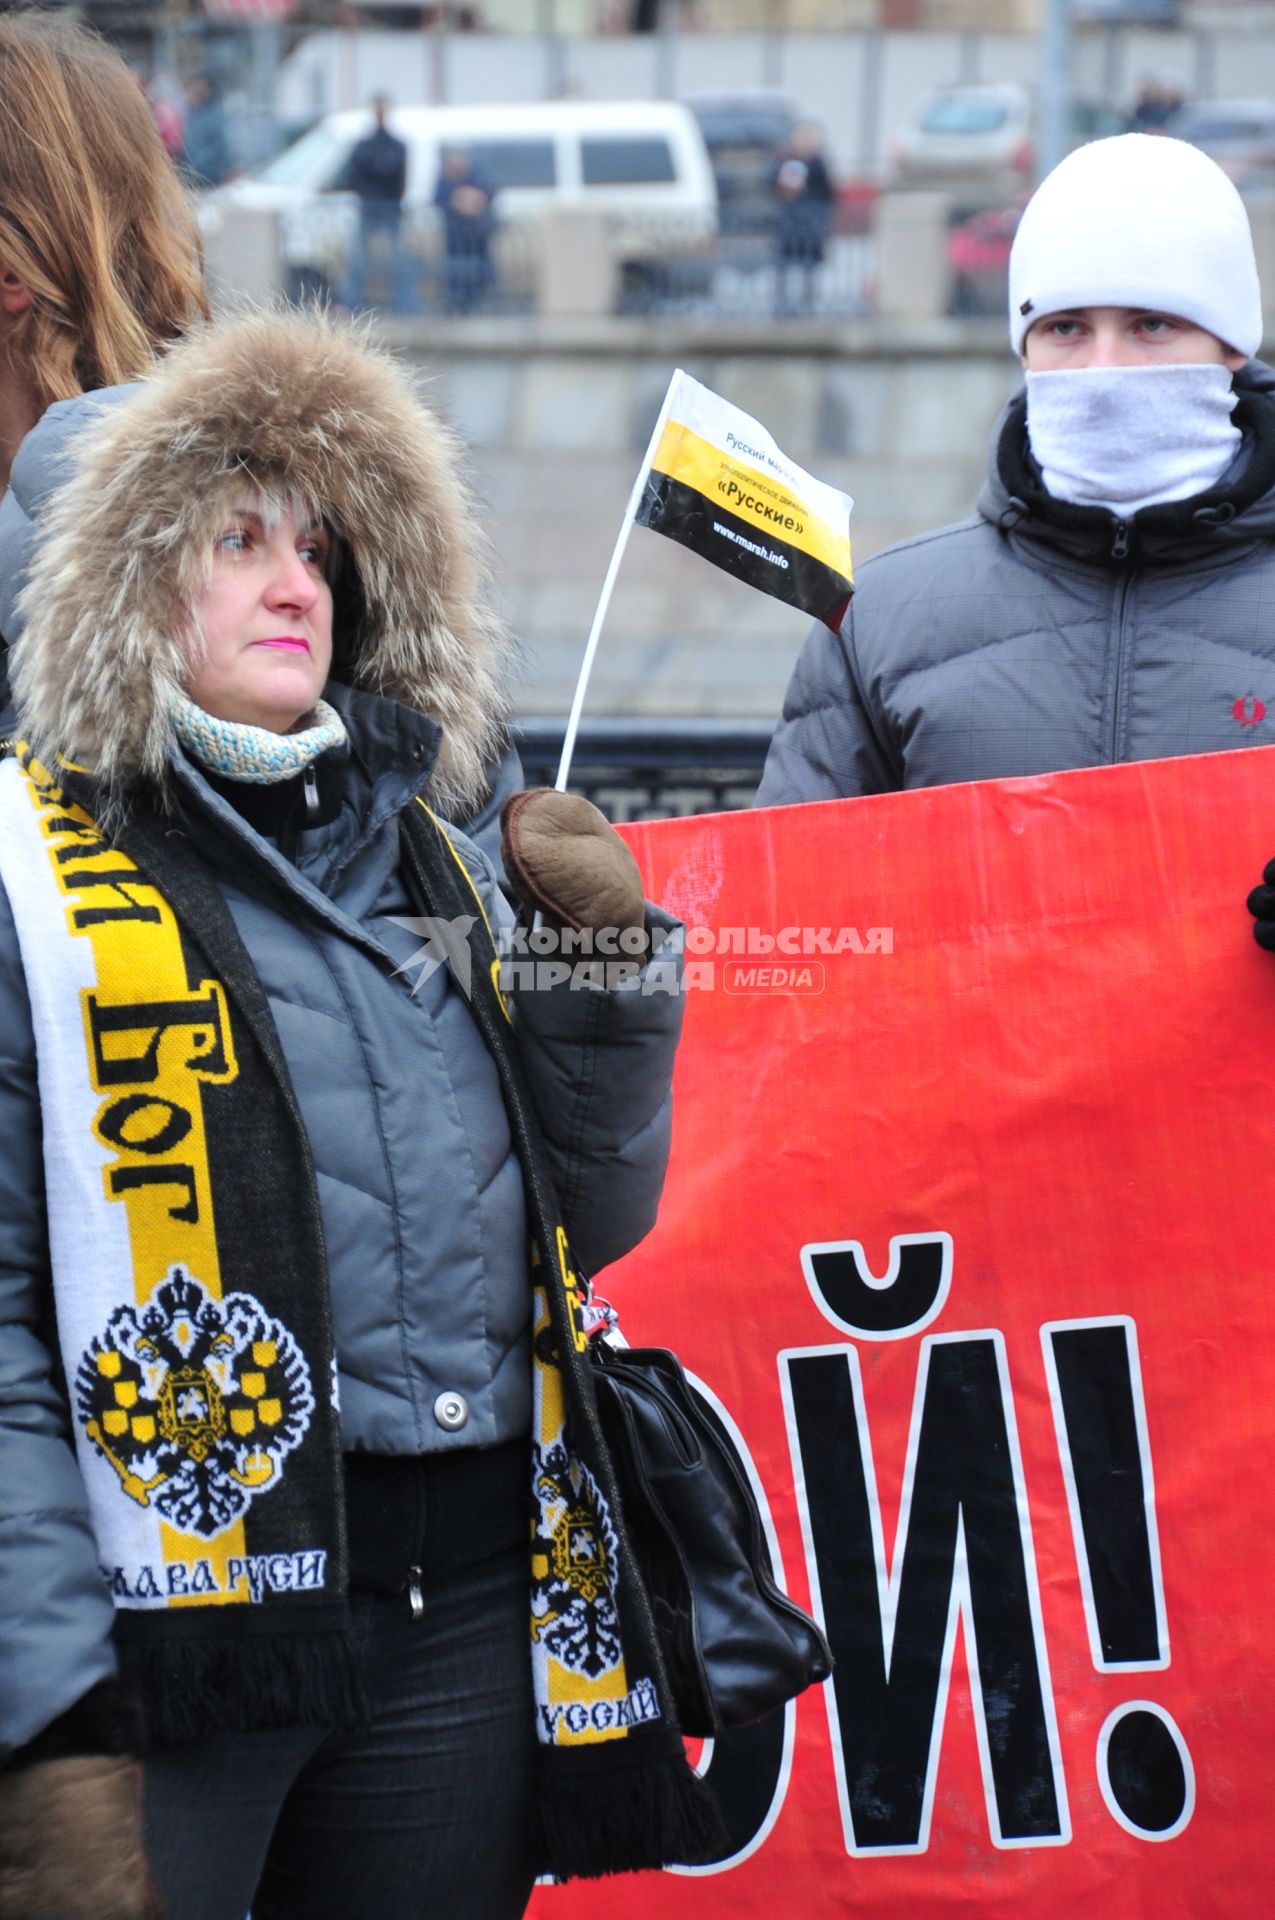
column 1239, row 508
column 391, row 752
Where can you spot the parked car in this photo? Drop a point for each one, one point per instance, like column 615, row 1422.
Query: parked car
column 980, row 142
column 743, row 130
column 642, row 163
column 978, row 250
column 1128, row 13
column 1238, row 134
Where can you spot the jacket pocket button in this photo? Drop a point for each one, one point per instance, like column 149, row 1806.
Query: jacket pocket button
column 451, row 1410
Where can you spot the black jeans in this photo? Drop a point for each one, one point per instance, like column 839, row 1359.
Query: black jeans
column 422, row 1815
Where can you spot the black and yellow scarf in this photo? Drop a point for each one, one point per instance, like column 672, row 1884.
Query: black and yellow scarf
column 185, row 1243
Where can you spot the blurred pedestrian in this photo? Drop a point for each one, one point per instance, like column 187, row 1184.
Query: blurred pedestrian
column 1160, row 96
column 464, row 199
column 802, row 187
column 166, row 112
column 376, row 172
column 1106, row 602
column 647, row 16
column 205, row 150
column 100, row 264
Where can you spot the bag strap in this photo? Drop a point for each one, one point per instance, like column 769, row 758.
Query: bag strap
column 448, row 891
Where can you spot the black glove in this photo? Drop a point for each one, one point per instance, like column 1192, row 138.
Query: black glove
column 71, row 1818
column 1261, row 904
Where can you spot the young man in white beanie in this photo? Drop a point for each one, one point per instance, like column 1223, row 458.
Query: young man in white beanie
column 1114, row 597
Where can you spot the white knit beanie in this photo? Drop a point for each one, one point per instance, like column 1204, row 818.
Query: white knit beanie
column 1140, row 220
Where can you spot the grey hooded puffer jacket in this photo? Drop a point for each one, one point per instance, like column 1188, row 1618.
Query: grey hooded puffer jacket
column 420, row 1193
column 1041, row 636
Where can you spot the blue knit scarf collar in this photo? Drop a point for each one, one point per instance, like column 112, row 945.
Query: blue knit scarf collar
column 254, row 754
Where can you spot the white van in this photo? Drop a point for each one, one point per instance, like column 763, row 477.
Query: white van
column 643, row 163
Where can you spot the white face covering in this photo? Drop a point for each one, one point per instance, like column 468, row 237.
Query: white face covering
column 1128, row 437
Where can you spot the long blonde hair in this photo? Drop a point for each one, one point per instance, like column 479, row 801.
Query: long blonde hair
column 93, row 218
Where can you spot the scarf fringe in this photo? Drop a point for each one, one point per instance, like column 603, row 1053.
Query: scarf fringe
column 599, row 1810
column 209, row 1684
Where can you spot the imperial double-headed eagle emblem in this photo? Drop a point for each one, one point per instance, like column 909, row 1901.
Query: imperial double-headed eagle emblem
column 573, row 1613
column 194, row 1401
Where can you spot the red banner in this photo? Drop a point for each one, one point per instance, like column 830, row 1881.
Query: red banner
column 968, row 1231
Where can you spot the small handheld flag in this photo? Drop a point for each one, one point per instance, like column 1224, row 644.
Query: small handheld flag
column 714, row 480
column 719, row 485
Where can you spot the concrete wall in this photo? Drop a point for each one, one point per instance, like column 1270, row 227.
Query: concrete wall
column 558, row 417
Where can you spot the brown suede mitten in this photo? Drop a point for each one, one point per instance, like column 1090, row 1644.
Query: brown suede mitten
column 71, row 1841
column 565, row 860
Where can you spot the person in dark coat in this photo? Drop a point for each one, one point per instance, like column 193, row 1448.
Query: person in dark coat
column 1160, row 97
column 1100, row 605
column 803, row 193
column 376, row 172
column 464, row 199
column 205, row 150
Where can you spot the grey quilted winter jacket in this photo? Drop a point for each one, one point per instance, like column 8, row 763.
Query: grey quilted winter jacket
column 421, row 1196
column 1040, row 636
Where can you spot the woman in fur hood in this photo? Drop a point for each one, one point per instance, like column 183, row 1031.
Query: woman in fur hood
column 278, row 1136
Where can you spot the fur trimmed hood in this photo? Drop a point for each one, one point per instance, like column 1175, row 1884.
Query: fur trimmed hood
column 298, row 406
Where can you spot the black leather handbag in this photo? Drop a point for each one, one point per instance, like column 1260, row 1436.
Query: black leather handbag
column 735, row 1645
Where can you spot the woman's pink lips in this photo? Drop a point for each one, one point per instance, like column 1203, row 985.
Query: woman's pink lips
column 288, row 641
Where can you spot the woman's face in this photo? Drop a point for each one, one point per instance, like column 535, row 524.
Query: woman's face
column 266, row 621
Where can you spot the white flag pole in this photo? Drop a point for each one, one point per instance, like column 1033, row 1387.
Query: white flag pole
column 608, row 585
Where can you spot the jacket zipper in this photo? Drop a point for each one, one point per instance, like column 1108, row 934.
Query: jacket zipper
column 415, row 1572
column 1119, row 551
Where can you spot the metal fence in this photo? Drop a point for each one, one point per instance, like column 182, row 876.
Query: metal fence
column 414, row 273
column 743, row 274
column 660, row 266
column 652, row 769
